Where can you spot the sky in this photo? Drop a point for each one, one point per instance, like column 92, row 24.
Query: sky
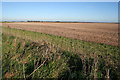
column 60, row 11
column 60, row 0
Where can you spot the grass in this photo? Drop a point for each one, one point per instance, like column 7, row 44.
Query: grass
column 60, row 41
column 15, row 54
column 68, row 58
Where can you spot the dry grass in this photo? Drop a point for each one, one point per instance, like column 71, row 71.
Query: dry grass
column 106, row 33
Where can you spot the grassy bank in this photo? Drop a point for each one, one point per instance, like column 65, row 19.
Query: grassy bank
column 25, row 51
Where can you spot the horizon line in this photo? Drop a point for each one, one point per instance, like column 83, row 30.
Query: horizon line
column 59, row 21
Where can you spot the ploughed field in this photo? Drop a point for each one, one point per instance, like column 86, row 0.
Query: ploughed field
column 106, row 33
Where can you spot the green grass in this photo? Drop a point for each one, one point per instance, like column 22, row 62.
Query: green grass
column 16, row 53
column 62, row 42
column 71, row 52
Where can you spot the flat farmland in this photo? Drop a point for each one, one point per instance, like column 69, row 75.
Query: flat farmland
column 106, row 33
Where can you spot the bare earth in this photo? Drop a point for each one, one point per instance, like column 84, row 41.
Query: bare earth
column 94, row 32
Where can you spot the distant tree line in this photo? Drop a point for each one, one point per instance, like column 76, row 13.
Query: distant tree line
column 43, row 21
column 34, row 21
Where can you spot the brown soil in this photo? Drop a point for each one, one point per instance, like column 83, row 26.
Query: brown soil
column 95, row 32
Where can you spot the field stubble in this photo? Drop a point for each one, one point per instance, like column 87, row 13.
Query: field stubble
column 106, row 33
column 94, row 60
